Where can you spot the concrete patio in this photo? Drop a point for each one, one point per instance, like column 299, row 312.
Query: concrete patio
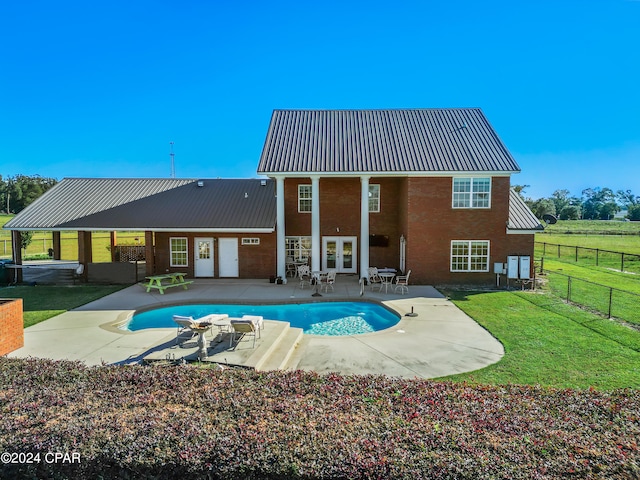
column 439, row 340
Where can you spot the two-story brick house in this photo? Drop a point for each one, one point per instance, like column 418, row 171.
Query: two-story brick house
column 420, row 189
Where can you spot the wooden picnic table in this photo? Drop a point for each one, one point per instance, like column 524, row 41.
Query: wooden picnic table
column 160, row 281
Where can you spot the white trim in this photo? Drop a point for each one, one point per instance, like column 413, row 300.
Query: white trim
column 186, row 241
column 151, row 229
column 522, row 232
column 451, row 270
column 382, row 174
column 471, row 192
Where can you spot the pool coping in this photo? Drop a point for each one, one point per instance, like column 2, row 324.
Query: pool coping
column 441, row 340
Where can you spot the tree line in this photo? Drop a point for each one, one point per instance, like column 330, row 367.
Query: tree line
column 17, row 192
column 594, row 204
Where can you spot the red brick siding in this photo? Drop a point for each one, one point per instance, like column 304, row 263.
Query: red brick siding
column 420, row 209
column 254, row 261
column 11, row 325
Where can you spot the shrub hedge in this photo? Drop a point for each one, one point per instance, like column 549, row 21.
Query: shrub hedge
column 184, row 421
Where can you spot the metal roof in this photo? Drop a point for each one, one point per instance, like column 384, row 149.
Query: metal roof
column 152, row 204
column 520, row 216
column 411, row 141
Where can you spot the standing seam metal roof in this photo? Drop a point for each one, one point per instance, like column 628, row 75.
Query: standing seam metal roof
column 520, row 216
column 111, row 204
column 400, row 140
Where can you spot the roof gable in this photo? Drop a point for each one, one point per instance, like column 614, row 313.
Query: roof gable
column 520, row 215
column 412, row 141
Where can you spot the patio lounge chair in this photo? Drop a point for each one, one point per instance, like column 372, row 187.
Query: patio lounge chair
column 243, row 327
column 402, row 283
column 185, row 325
column 257, row 320
column 373, row 278
column 304, row 275
column 328, row 280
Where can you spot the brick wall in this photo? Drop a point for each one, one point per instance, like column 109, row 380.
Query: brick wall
column 420, row 209
column 254, row 261
column 11, row 325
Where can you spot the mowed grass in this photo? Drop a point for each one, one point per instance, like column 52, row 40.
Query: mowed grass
column 593, row 227
column 43, row 302
column 548, row 342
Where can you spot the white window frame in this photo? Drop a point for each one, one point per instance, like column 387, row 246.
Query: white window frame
column 470, row 260
column 300, row 249
column 374, row 198
column 173, row 252
column 250, row 241
column 474, row 197
column 303, row 199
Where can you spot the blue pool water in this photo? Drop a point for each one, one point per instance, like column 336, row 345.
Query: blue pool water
column 320, row 318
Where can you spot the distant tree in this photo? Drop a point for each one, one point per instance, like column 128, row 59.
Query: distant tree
column 543, row 206
column 633, row 212
column 593, row 201
column 570, row 212
column 608, row 210
column 627, row 198
column 560, row 199
column 17, row 193
column 519, row 189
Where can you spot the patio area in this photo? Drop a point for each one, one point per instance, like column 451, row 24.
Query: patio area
column 439, row 340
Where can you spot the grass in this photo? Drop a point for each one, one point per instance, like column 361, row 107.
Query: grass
column 593, row 227
column 43, row 302
column 551, row 343
column 622, row 281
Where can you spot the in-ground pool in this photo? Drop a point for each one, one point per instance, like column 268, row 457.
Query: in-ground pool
column 318, row 318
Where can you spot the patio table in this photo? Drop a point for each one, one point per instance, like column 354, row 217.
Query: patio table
column 159, row 281
column 387, row 278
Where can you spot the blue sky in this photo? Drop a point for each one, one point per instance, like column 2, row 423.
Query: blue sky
column 101, row 88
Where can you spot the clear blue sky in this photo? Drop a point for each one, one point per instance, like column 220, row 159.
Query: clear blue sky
column 101, row 88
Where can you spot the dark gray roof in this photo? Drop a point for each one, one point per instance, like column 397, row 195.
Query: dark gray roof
column 412, row 141
column 520, row 216
column 152, row 204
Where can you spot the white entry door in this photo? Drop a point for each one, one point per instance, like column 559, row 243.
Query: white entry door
column 340, row 253
column 228, row 257
column 203, row 248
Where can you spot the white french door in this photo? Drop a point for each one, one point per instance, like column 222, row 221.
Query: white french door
column 203, row 248
column 340, row 253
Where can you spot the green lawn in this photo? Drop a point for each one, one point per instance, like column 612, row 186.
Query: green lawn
column 43, row 302
column 591, row 227
column 550, row 343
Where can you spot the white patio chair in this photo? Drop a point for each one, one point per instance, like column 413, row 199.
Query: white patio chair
column 185, row 325
column 402, row 283
column 373, row 278
column 243, row 327
column 328, row 280
column 304, row 275
column 257, row 320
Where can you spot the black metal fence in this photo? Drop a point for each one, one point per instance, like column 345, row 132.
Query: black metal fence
column 594, row 296
column 625, row 262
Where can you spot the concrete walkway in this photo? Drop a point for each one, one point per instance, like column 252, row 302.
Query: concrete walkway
column 440, row 340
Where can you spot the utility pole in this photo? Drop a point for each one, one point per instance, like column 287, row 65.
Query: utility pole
column 172, row 155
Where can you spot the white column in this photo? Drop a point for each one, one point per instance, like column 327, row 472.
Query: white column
column 281, row 251
column 364, row 226
column 315, row 222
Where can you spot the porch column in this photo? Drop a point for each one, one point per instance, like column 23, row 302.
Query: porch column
column 315, row 222
column 16, row 249
column 113, row 243
column 281, row 246
column 85, row 254
column 149, row 254
column 56, row 245
column 364, row 226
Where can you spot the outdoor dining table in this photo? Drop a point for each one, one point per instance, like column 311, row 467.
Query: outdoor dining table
column 159, row 281
column 387, row 279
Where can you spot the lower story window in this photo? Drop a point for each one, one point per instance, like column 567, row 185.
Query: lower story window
column 179, row 251
column 470, row 256
column 298, row 248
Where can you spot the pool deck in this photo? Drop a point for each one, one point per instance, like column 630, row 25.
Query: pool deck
column 439, row 340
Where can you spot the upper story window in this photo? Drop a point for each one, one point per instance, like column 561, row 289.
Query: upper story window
column 304, row 198
column 179, row 251
column 374, row 198
column 471, row 192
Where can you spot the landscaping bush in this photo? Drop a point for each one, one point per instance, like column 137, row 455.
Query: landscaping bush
column 190, row 422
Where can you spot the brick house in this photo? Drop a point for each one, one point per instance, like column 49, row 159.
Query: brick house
column 420, row 189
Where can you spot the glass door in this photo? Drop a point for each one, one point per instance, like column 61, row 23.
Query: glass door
column 339, row 253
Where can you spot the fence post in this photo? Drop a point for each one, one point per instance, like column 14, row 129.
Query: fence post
column 610, row 300
column 622, row 266
column 544, row 248
column 558, row 251
column 576, row 254
column 597, row 256
column 568, row 289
